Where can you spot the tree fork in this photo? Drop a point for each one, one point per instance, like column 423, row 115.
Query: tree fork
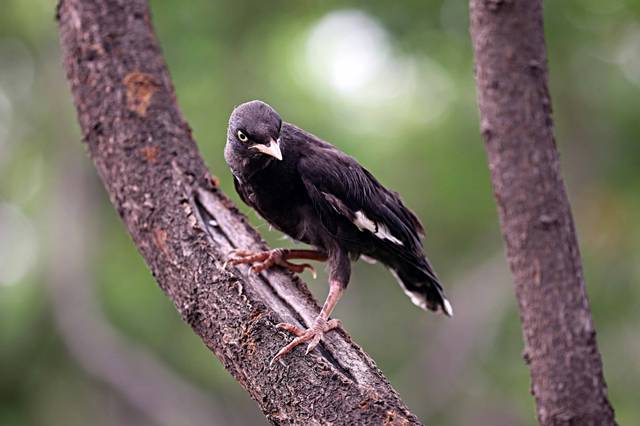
column 184, row 226
column 535, row 215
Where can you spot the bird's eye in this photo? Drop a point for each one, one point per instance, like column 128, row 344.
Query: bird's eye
column 242, row 136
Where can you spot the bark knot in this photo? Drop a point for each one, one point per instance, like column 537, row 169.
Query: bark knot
column 394, row 418
column 160, row 239
column 140, row 90
column 150, row 153
column 495, row 5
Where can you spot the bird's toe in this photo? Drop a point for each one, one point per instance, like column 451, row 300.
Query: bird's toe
column 288, row 348
column 331, row 324
column 258, row 267
column 314, row 342
column 262, row 260
column 313, row 335
column 291, row 328
column 299, row 268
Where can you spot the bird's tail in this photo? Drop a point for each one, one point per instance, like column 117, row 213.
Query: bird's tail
column 423, row 287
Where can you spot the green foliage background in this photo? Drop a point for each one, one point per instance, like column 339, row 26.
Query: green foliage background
column 412, row 121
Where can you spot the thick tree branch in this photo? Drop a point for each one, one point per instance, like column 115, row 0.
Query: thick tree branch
column 183, row 227
column 133, row 372
column 542, row 248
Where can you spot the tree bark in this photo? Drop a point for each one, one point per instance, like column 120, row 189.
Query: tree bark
column 184, row 226
column 537, row 225
column 134, row 373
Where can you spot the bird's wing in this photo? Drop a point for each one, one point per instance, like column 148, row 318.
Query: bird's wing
column 241, row 191
column 338, row 185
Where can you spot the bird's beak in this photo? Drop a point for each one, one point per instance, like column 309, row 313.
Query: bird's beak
column 273, row 149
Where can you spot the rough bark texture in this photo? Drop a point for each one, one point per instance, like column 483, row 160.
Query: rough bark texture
column 183, row 227
column 542, row 248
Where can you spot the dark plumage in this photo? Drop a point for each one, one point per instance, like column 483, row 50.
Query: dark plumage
column 311, row 191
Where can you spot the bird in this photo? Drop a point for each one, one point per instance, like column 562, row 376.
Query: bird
column 316, row 194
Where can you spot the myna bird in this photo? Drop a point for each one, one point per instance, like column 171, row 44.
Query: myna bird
column 316, row 194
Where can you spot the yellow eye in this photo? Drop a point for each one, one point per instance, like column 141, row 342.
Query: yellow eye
column 242, row 136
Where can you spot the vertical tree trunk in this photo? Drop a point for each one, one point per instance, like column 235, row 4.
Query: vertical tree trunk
column 542, row 248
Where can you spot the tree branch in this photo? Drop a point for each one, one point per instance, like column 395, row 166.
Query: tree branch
column 183, row 226
column 130, row 370
column 542, row 248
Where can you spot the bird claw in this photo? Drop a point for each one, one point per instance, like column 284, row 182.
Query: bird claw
column 314, row 274
column 314, row 342
column 298, row 268
column 262, row 260
column 313, row 335
column 293, row 329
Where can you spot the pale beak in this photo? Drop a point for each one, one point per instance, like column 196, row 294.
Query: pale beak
column 273, row 149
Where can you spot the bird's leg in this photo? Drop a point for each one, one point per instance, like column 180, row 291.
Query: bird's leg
column 321, row 325
column 262, row 260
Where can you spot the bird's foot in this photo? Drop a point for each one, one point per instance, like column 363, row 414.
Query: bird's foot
column 261, row 260
column 312, row 335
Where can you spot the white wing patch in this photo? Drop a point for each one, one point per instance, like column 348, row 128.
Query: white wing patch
column 377, row 229
column 415, row 298
column 363, row 222
column 447, row 308
column 418, row 299
column 369, row 260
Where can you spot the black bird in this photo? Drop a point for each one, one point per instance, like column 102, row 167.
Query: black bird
column 311, row 191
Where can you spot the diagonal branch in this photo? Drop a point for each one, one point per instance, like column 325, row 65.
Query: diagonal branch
column 183, row 226
column 535, row 215
column 131, row 371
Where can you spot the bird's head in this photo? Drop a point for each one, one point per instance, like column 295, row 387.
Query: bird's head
column 253, row 136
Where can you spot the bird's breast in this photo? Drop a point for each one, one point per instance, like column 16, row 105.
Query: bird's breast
column 281, row 200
